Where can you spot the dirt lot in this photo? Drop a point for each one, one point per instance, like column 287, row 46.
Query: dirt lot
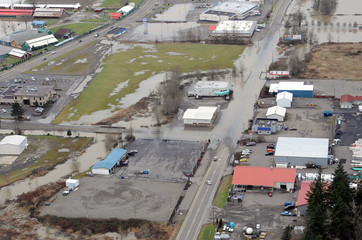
column 111, row 197
column 335, row 61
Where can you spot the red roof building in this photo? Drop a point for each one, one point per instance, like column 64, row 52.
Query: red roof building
column 302, row 194
column 15, row 12
column 263, row 178
column 347, row 101
column 115, row 15
column 212, row 27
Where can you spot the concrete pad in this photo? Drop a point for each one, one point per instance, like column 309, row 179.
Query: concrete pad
column 7, row 159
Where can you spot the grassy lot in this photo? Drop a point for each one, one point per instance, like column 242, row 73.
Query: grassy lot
column 222, row 194
column 48, row 160
column 118, row 3
column 11, row 60
column 78, row 28
column 137, row 64
column 207, row 232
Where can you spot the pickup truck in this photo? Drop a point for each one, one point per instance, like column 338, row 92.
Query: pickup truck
column 67, row 191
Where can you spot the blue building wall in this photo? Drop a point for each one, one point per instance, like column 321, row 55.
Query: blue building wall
column 299, row 93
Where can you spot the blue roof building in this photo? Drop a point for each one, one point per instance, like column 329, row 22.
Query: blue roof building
column 38, row 24
column 108, row 165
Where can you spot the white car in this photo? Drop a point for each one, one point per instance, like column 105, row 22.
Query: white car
column 208, row 182
column 4, row 110
column 53, row 52
column 39, row 110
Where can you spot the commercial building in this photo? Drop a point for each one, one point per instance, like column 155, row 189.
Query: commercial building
column 32, row 95
column 276, row 112
column 251, row 178
column 115, row 32
column 39, row 42
column 64, row 33
column 284, row 99
column 202, row 116
column 17, row 53
column 347, row 101
column 300, row 151
column 234, row 28
column 13, row 145
column 298, row 89
column 266, row 126
column 107, row 166
column 228, row 11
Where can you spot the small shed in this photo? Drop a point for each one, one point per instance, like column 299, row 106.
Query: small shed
column 107, row 166
column 13, row 145
column 202, row 116
column 38, row 24
column 284, row 99
column 276, row 112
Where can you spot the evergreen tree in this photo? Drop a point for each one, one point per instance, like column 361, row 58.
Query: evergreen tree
column 340, row 197
column 287, row 233
column 16, row 111
column 317, row 210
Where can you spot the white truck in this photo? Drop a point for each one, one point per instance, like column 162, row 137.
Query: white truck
column 70, row 184
column 210, row 89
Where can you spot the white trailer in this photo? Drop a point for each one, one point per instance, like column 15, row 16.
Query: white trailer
column 72, row 183
column 210, row 89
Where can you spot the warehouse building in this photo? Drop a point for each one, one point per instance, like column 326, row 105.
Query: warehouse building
column 13, row 145
column 298, row 89
column 234, row 28
column 228, row 11
column 252, row 178
column 17, row 53
column 13, row 13
column 39, row 42
column 202, row 116
column 301, row 151
column 16, row 39
column 48, row 12
column 108, row 165
column 276, row 112
column 284, row 99
column 126, row 10
column 115, row 32
column 64, row 33
column 266, row 126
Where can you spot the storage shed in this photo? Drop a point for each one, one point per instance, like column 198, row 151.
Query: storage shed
column 202, row 116
column 300, row 151
column 284, row 99
column 13, row 145
column 276, row 112
column 252, row 178
column 107, row 166
column 298, row 89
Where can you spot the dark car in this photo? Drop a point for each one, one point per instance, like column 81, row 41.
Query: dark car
column 44, row 59
column 269, row 154
column 270, row 146
column 251, row 144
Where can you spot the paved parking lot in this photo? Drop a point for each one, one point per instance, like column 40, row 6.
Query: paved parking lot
column 165, row 160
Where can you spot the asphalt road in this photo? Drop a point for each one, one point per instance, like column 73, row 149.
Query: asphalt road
column 199, row 210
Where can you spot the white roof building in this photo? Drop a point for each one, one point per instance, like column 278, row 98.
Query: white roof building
column 41, row 41
column 13, row 145
column 234, row 28
column 297, row 88
column 200, row 116
column 126, row 9
column 276, row 112
column 284, row 99
column 274, row 87
column 65, row 6
column 17, row 53
column 299, row 151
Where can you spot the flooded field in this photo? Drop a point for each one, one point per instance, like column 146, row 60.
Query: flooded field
column 343, row 26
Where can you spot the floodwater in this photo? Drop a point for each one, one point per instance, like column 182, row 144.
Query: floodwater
column 177, row 12
column 341, row 27
column 86, row 160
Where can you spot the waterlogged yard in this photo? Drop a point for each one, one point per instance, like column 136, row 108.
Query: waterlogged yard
column 123, row 71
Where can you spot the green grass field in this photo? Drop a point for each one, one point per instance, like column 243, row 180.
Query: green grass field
column 207, row 232
column 51, row 158
column 223, row 192
column 78, row 28
column 122, row 66
column 118, row 3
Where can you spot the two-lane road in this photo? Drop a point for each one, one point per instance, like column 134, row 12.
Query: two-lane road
column 200, row 207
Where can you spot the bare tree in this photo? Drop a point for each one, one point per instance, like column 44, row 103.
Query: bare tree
column 298, row 17
column 241, row 70
column 25, row 19
column 75, row 166
column 296, row 64
column 4, row 27
column 109, row 142
column 13, row 27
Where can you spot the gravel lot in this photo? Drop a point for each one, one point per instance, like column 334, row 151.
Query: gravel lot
column 111, row 197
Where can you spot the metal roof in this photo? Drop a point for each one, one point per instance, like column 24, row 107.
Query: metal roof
column 262, row 176
column 302, row 147
column 13, row 140
column 211, row 84
column 274, row 87
column 111, row 160
column 42, row 41
column 235, row 7
column 22, row 36
column 276, row 110
column 17, row 52
column 33, row 91
column 234, row 27
column 204, row 113
column 285, row 95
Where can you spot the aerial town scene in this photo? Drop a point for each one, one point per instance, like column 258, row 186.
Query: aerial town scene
column 181, row 119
